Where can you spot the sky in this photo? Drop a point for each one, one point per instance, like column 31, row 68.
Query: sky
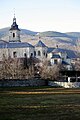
column 42, row 15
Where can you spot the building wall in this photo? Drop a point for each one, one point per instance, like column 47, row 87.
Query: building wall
column 49, row 56
column 64, row 56
column 68, row 61
column 59, row 61
column 43, row 52
column 20, row 52
column 17, row 35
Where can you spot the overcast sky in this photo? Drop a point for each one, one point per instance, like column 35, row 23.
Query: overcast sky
column 42, row 15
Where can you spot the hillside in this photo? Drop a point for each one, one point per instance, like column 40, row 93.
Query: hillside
column 5, row 31
column 52, row 34
column 74, row 34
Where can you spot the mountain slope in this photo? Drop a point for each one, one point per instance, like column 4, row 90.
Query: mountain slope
column 74, row 34
column 52, row 34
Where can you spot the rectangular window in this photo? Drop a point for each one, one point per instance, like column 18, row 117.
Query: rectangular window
column 55, row 61
column 14, row 54
column 13, row 35
column 34, row 53
column 39, row 53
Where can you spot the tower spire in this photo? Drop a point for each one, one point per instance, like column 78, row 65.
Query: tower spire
column 14, row 32
column 14, row 19
column 14, row 12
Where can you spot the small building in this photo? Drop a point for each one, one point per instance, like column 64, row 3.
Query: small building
column 60, row 57
column 56, row 59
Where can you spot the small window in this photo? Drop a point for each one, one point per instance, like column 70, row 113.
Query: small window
column 55, row 62
column 31, row 54
column 39, row 53
column 44, row 53
column 62, row 58
column 25, row 55
column 14, row 54
column 13, row 35
column 34, row 53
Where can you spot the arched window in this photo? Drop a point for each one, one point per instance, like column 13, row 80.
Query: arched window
column 34, row 53
column 13, row 35
column 25, row 55
column 44, row 53
column 39, row 53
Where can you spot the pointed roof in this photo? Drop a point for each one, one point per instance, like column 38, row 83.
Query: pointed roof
column 14, row 26
column 40, row 44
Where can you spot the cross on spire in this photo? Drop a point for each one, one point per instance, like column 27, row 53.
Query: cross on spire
column 14, row 19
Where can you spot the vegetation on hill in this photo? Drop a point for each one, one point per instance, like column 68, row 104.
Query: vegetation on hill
column 74, row 34
column 52, row 34
column 28, row 32
column 5, row 31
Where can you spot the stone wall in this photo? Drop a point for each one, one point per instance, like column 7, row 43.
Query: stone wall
column 34, row 82
column 64, row 84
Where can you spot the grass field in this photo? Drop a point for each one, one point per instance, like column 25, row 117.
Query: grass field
column 39, row 103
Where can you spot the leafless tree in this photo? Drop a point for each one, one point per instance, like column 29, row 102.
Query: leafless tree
column 77, row 65
column 50, row 72
column 16, row 69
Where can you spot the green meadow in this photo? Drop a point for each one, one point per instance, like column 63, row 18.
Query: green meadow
column 39, row 103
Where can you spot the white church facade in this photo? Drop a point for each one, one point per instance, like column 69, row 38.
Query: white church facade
column 14, row 48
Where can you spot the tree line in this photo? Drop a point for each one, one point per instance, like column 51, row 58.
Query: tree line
column 29, row 68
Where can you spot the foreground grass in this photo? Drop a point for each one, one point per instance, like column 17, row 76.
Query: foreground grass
column 43, row 103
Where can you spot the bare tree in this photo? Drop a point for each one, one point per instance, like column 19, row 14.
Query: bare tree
column 77, row 65
column 50, row 72
column 16, row 69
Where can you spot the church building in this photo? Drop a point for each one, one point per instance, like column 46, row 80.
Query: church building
column 14, row 48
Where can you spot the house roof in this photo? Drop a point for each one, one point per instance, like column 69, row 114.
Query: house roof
column 56, row 56
column 19, row 45
column 56, row 50
column 50, row 50
column 2, row 41
column 3, row 45
column 65, row 63
column 15, row 45
column 70, row 53
column 40, row 44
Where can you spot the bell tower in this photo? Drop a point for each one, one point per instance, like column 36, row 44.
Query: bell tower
column 14, row 32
